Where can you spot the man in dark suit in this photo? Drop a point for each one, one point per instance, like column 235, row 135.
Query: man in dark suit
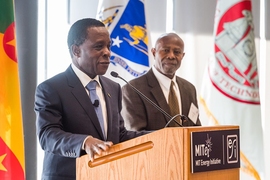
column 67, row 123
column 155, row 84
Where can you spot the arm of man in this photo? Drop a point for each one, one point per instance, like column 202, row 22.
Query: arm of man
column 54, row 133
column 134, row 110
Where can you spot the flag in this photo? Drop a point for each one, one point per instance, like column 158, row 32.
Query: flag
column 126, row 22
column 230, row 88
column 11, row 129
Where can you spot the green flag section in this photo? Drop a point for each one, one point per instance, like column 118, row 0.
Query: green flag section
column 11, row 127
column 6, row 14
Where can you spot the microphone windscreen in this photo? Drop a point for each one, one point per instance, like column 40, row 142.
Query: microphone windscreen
column 114, row 74
column 96, row 103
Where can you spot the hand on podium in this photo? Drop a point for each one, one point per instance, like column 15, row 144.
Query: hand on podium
column 94, row 146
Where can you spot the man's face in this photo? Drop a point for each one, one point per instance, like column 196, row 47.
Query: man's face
column 93, row 56
column 168, row 54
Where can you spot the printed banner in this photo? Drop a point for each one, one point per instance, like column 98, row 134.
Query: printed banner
column 230, row 89
column 126, row 22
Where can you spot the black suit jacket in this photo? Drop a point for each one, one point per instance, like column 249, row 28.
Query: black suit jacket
column 66, row 116
column 141, row 115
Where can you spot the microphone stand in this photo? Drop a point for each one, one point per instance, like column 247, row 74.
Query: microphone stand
column 114, row 74
column 182, row 117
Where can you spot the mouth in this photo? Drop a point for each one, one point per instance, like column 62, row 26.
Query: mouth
column 169, row 64
column 105, row 63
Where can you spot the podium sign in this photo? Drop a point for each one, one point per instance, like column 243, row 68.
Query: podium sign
column 215, row 150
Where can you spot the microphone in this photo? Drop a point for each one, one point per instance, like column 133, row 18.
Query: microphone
column 182, row 117
column 185, row 120
column 96, row 103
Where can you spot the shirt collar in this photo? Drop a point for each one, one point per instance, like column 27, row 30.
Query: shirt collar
column 162, row 79
column 84, row 78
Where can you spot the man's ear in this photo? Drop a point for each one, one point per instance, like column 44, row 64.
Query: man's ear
column 75, row 50
column 183, row 55
column 153, row 50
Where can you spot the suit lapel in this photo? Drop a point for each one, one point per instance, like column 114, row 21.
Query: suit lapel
column 107, row 96
column 156, row 91
column 82, row 97
column 184, row 96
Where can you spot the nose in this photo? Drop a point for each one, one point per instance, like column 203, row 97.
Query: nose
column 170, row 55
column 107, row 53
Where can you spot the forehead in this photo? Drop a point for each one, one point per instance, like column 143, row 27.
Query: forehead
column 170, row 41
column 98, row 34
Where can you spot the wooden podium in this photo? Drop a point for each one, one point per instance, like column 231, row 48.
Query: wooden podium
column 162, row 155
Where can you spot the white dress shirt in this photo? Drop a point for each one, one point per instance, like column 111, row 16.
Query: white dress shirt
column 165, row 84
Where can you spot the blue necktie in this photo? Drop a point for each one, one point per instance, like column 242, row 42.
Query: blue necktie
column 91, row 86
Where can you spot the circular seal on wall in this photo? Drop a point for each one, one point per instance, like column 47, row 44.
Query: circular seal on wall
column 233, row 71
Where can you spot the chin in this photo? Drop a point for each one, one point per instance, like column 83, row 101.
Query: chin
column 102, row 72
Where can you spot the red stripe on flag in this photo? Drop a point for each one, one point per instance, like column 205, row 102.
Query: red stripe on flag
column 10, row 167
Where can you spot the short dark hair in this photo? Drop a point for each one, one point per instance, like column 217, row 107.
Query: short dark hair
column 78, row 31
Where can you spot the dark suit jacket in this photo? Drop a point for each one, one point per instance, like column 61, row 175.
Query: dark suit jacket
column 65, row 116
column 141, row 115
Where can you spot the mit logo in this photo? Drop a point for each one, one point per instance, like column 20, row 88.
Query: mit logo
column 232, row 149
